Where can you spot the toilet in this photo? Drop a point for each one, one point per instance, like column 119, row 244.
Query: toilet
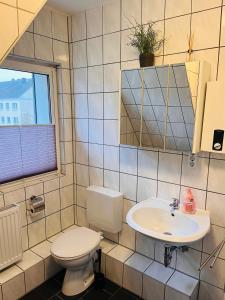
column 76, row 249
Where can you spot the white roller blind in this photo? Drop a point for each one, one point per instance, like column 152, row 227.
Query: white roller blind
column 26, row 151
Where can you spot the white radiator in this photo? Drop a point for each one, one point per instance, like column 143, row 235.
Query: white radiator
column 10, row 235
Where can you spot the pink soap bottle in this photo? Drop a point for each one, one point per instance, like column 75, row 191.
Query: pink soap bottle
column 189, row 204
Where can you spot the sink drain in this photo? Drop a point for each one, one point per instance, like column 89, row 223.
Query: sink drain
column 167, row 233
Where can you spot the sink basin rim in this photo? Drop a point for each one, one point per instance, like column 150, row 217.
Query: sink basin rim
column 201, row 218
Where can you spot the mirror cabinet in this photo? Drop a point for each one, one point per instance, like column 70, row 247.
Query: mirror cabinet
column 163, row 106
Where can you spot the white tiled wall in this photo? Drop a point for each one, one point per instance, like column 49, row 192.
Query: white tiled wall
column 145, row 277
column 36, row 267
column 89, row 131
column 47, row 39
column 99, row 42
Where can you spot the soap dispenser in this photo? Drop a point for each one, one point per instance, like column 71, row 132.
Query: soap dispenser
column 189, row 204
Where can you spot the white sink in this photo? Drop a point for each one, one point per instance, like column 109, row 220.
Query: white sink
column 153, row 218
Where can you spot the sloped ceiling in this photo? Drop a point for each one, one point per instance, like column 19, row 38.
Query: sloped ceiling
column 73, row 6
column 15, row 18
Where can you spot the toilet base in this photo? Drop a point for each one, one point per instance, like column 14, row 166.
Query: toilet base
column 77, row 281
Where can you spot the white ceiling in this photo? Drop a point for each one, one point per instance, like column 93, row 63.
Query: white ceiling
column 73, row 6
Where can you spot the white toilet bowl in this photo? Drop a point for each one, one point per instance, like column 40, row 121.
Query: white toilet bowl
column 75, row 250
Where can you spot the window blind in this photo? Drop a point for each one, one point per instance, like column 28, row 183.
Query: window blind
column 26, row 151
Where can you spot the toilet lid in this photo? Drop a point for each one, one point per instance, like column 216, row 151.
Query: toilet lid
column 75, row 243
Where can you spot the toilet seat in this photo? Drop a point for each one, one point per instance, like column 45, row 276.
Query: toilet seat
column 75, row 243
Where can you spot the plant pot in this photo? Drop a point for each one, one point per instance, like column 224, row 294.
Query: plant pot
column 146, row 60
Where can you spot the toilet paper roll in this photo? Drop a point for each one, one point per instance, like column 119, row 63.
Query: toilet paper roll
column 37, row 205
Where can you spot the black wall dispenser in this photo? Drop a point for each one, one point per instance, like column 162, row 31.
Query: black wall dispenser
column 218, row 140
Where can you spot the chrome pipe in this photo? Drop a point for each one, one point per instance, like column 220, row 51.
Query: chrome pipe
column 217, row 254
column 218, row 248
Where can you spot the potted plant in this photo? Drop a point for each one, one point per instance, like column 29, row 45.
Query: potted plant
column 146, row 39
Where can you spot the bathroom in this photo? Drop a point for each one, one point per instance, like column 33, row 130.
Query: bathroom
column 83, row 46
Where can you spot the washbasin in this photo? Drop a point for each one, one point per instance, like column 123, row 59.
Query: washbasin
column 153, row 218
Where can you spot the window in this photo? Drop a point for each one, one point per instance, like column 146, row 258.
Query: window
column 14, row 106
column 15, row 120
column 31, row 91
column 29, row 142
column 1, row 106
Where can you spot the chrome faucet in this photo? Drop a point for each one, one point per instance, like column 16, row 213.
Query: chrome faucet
column 174, row 205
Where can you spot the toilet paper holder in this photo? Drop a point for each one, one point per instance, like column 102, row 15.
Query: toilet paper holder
column 37, row 205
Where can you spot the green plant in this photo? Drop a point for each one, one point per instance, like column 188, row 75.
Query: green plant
column 145, row 38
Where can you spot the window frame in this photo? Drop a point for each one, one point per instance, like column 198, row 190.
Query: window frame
column 51, row 71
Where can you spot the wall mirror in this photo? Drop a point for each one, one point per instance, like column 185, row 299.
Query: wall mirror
column 162, row 106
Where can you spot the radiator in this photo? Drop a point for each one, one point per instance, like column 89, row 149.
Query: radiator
column 10, row 235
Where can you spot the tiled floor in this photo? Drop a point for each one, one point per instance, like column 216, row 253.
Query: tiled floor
column 52, row 290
